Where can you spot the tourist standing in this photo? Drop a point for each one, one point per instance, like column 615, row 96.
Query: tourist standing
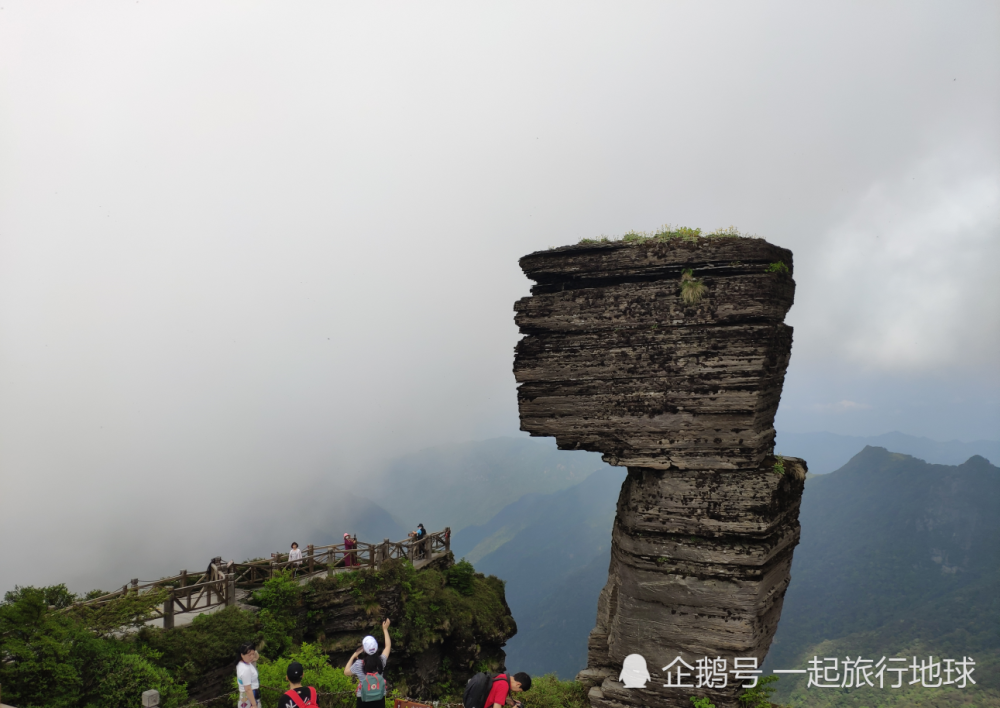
column 369, row 668
column 349, row 545
column 421, row 534
column 246, row 677
column 295, row 555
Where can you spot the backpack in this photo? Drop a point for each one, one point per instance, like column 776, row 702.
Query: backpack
column 294, row 695
column 477, row 690
column 372, row 688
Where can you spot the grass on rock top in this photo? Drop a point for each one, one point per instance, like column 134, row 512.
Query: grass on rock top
column 666, row 233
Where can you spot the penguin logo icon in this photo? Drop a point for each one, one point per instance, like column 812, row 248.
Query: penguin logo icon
column 634, row 673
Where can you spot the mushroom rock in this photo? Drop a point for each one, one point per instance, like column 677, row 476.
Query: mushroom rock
column 668, row 356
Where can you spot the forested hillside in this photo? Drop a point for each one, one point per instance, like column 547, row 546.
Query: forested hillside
column 897, row 555
column 898, row 558
column 467, row 484
column 552, row 551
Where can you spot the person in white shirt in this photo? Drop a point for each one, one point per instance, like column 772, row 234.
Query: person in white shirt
column 246, row 677
column 295, row 555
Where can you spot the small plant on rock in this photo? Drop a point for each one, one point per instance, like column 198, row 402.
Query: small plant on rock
column 760, row 695
column 779, row 267
column 702, row 702
column 664, row 233
column 779, row 465
column 692, row 291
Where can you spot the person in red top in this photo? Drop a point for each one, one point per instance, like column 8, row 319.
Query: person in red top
column 349, row 544
column 500, row 693
column 297, row 696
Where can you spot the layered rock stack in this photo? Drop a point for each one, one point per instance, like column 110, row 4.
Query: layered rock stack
column 668, row 356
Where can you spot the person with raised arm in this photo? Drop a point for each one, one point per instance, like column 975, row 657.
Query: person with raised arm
column 349, row 545
column 369, row 669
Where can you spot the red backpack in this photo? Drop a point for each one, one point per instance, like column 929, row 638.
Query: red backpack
column 294, row 695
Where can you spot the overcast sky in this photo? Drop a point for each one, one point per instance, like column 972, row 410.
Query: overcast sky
column 245, row 246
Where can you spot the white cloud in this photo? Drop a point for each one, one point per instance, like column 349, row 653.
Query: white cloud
column 907, row 282
column 844, row 406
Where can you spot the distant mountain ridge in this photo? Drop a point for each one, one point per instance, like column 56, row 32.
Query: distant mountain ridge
column 898, row 557
column 466, row 484
column 826, row 452
column 552, row 551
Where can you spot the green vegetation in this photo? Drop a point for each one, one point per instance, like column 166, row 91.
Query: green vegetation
column 56, row 656
column 874, row 577
column 125, row 675
column 760, row 695
column 732, row 232
column 557, row 546
column 778, row 267
column 317, row 673
column 66, row 659
column 208, row 643
column 549, row 692
column 454, row 605
column 779, row 465
column 278, row 599
column 461, row 576
column 126, row 612
column 452, row 612
column 666, row 233
column 692, row 291
column 757, row 697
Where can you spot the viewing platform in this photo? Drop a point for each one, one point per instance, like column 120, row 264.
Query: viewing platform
column 226, row 583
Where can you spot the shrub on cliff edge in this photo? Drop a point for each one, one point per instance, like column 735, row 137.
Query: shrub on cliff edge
column 208, row 643
column 278, row 599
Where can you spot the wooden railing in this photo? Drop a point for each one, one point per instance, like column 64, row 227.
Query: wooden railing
column 415, row 550
column 197, row 592
column 185, row 592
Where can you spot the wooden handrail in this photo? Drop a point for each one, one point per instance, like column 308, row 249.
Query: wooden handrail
column 221, row 578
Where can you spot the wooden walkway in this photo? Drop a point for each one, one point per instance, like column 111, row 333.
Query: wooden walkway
column 225, row 583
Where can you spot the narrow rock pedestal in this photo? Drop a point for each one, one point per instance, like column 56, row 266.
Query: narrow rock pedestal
column 668, row 357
